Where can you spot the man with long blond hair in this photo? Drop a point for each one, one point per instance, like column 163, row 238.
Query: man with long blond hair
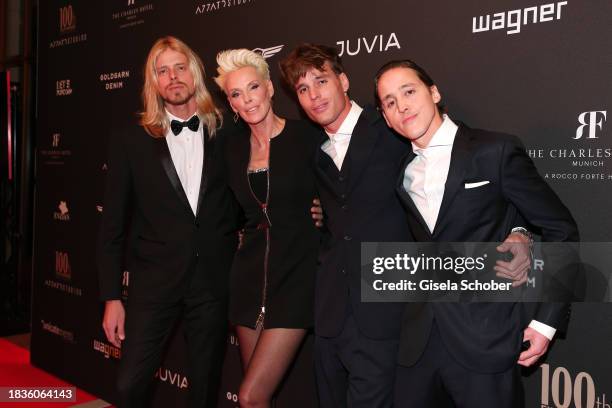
column 167, row 196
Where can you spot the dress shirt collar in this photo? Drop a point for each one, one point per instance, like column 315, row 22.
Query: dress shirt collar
column 349, row 123
column 172, row 117
column 444, row 136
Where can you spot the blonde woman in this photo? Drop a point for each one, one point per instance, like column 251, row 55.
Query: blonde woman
column 272, row 177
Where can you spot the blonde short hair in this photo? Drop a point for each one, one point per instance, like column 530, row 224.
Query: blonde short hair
column 153, row 118
column 232, row 60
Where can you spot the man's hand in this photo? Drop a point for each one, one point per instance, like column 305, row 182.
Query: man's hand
column 538, row 346
column 518, row 268
column 317, row 212
column 114, row 322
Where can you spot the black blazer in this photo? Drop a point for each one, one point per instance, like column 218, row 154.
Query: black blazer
column 485, row 337
column 169, row 247
column 361, row 205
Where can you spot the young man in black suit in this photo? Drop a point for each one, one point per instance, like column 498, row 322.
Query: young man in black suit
column 461, row 184
column 166, row 185
column 356, row 343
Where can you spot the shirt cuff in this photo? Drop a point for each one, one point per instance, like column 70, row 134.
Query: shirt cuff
column 543, row 329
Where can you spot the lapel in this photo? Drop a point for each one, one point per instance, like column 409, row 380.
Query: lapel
column 405, row 197
column 209, row 146
column 166, row 162
column 320, row 157
column 460, row 160
column 364, row 138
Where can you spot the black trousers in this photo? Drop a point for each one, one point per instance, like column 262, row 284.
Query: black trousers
column 147, row 328
column 355, row 371
column 437, row 380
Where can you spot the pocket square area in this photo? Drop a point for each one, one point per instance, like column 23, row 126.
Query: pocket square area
column 477, row 184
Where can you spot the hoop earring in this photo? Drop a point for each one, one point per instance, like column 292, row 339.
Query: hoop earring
column 236, row 117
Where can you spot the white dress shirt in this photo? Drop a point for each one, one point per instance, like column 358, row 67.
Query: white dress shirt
column 425, row 178
column 187, row 153
column 338, row 143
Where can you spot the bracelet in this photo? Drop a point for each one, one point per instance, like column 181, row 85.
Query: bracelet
column 525, row 232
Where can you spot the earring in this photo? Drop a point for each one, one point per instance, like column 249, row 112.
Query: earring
column 236, row 117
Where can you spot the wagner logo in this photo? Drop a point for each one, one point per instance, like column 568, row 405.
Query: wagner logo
column 513, row 20
column 216, row 5
column 377, row 43
column 175, row 379
column 114, row 80
column 107, row 349
column 131, row 2
column 268, row 52
column 55, row 140
column 63, row 87
column 63, row 214
column 591, row 121
column 67, row 19
column 62, row 265
column 51, row 328
column 563, row 389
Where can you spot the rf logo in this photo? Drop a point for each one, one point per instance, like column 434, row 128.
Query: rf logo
column 67, row 20
column 55, row 139
column 591, row 121
column 62, row 265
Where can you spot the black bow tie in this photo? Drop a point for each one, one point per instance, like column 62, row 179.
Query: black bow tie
column 177, row 126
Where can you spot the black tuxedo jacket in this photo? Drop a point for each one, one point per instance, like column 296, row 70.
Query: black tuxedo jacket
column 170, row 248
column 485, row 337
column 361, row 205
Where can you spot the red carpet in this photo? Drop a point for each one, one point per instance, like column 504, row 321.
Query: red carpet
column 16, row 371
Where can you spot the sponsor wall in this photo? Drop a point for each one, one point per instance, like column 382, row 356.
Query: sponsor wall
column 537, row 69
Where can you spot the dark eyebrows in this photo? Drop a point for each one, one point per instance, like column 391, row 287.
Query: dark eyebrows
column 404, row 86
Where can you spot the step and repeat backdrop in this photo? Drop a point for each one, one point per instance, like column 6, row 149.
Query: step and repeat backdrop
column 537, row 69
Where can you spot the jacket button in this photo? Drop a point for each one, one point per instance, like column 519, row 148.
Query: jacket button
column 344, row 272
column 343, row 196
column 197, row 224
column 344, row 207
column 341, row 178
column 347, row 237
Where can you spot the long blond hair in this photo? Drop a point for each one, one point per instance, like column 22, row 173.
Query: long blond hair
column 153, row 118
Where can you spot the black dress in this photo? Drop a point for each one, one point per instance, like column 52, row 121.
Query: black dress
column 272, row 277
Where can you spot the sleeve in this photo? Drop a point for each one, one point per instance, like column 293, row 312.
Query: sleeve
column 540, row 206
column 523, row 186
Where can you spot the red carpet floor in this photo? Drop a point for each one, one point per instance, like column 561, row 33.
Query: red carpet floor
column 16, row 371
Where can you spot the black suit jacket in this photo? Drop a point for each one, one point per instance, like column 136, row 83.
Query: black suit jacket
column 485, row 337
column 169, row 248
column 361, row 205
